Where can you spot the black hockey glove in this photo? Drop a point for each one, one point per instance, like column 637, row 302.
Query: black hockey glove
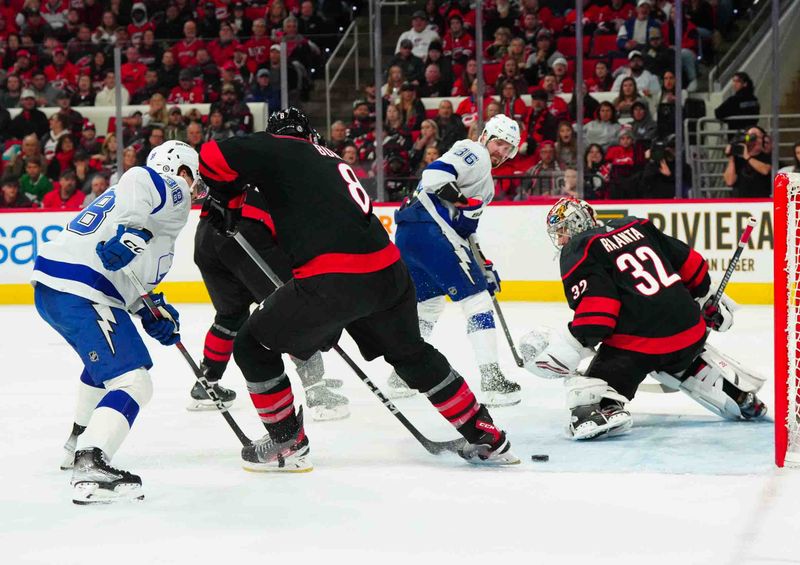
column 224, row 212
column 451, row 193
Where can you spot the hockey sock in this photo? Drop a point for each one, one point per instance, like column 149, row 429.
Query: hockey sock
column 481, row 329
column 217, row 350
column 274, row 403
column 310, row 371
column 89, row 394
column 455, row 401
column 429, row 312
column 114, row 415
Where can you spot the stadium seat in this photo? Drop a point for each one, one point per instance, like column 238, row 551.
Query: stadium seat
column 567, row 45
column 490, row 72
column 617, row 63
column 431, row 114
column 602, row 45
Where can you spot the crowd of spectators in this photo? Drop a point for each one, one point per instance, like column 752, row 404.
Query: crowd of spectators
column 60, row 53
column 530, row 49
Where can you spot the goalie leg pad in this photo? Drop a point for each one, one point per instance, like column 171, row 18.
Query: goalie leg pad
column 735, row 373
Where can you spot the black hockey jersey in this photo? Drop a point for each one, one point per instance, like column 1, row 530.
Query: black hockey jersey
column 321, row 214
column 632, row 287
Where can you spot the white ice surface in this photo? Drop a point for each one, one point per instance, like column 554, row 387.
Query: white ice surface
column 682, row 487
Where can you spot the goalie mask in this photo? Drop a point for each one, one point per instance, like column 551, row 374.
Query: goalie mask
column 505, row 129
column 567, row 218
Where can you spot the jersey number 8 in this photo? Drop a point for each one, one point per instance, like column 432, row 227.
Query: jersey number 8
column 90, row 219
column 357, row 191
column 648, row 285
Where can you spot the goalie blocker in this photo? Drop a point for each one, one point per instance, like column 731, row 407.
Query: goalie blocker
column 644, row 298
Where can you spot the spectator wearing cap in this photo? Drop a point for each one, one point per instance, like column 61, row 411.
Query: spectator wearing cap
column 420, row 35
column 451, row 129
column 411, row 108
column 363, row 125
column 30, row 120
column 239, row 21
column 433, row 85
column 61, row 74
column 216, row 130
column 65, row 196
column 292, row 74
column 659, row 59
column 175, row 128
column 258, row 45
column 636, row 30
column 185, row 51
column 187, row 92
column 11, row 196
column 458, row 45
column 546, row 176
column 540, row 61
column 73, row 118
column 541, row 124
column 88, row 140
column 412, row 66
column 23, row 66
column 564, row 83
column 338, row 138
column 168, row 71
column 9, row 96
column 33, row 183
column 263, row 91
column 148, row 89
column 604, row 128
column 85, row 94
column 621, row 163
column 44, row 92
column 646, row 82
column 435, row 57
column 236, row 113
column 97, row 186
column 107, row 95
column 132, row 71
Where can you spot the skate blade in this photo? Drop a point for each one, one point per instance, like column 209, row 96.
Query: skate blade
column 205, row 405
column 324, row 414
column 499, row 399
column 86, row 493
column 297, row 465
column 69, row 461
column 507, row 458
column 590, row 430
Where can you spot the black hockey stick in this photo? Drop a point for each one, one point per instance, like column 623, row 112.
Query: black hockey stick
column 481, row 262
column 198, row 374
column 434, row 447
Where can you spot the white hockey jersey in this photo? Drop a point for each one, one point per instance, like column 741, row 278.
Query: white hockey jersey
column 142, row 199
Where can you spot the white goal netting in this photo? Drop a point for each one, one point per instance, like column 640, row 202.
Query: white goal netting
column 787, row 371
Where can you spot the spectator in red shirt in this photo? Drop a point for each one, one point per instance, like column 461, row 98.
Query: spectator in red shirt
column 555, row 104
column 23, row 67
column 139, row 22
column 185, row 51
column 65, row 195
column 222, row 49
column 462, row 84
column 614, row 15
column 258, row 45
column 187, row 92
column 512, row 104
column 133, row 71
column 564, row 83
column 621, row 161
column 457, row 43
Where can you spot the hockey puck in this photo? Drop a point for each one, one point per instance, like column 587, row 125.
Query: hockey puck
column 540, row 458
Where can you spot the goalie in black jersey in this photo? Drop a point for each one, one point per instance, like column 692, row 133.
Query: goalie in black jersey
column 637, row 293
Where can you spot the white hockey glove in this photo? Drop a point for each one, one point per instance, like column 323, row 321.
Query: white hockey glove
column 720, row 317
column 560, row 358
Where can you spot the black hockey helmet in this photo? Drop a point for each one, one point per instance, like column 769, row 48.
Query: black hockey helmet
column 292, row 122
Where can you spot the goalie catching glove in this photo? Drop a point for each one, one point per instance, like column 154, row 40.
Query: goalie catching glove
column 718, row 317
column 553, row 356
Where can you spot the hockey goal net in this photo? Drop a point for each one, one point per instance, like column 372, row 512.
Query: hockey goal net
column 787, row 319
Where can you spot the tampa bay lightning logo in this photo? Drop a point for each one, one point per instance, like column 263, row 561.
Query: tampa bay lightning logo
column 164, row 264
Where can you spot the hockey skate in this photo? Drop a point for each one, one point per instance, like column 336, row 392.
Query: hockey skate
column 267, row 455
column 94, row 481
column 69, row 447
column 398, row 387
column 324, row 404
column 492, row 447
column 496, row 388
column 592, row 421
column 201, row 401
column 752, row 407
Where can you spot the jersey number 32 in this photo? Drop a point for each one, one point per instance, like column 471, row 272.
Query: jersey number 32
column 649, row 284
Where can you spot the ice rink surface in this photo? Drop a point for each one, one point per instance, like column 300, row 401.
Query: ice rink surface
column 683, row 487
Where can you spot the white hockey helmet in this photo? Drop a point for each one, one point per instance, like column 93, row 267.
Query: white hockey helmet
column 170, row 156
column 567, row 218
column 501, row 127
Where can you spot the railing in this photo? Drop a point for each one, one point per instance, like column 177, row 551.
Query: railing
column 705, row 149
column 352, row 30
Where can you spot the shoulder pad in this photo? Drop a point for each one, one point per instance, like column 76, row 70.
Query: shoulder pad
column 575, row 251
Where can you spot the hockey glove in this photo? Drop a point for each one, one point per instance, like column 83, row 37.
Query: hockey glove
column 165, row 327
column 224, row 212
column 720, row 317
column 560, row 358
column 492, row 278
column 451, row 193
column 123, row 248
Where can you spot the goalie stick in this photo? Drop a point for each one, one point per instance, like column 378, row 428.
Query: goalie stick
column 476, row 250
column 198, row 374
column 434, row 447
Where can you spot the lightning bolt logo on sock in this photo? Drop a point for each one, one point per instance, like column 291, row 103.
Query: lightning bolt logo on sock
column 105, row 319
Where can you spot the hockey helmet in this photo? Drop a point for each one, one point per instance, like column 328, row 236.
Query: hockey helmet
column 567, row 218
column 504, row 128
column 170, row 156
column 294, row 123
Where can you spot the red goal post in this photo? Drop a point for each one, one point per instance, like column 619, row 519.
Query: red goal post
column 786, row 221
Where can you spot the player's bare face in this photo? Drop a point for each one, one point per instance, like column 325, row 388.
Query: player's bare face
column 499, row 151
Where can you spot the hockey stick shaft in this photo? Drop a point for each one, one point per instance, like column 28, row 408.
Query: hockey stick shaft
column 745, row 237
column 198, row 373
column 433, row 447
column 476, row 251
